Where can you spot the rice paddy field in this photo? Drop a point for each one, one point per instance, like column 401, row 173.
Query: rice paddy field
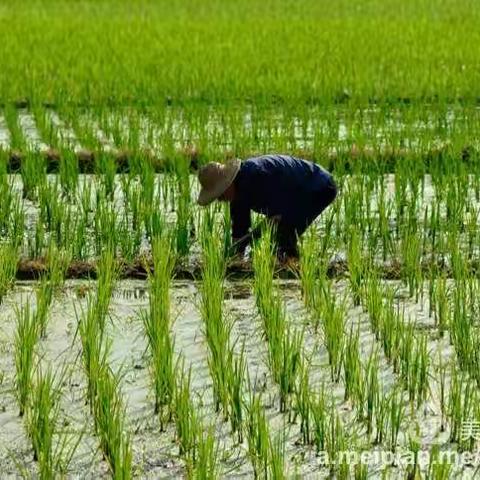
column 132, row 346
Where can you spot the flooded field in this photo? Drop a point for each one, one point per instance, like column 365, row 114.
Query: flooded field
column 155, row 452
column 134, row 344
column 367, row 345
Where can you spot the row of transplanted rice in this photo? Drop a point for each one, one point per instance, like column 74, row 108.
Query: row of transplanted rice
column 372, row 344
column 199, row 133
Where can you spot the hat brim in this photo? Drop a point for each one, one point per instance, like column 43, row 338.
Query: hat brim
column 207, row 196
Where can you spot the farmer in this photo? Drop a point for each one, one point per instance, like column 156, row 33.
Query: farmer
column 290, row 191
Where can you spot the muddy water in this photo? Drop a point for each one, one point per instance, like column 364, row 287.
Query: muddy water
column 155, row 453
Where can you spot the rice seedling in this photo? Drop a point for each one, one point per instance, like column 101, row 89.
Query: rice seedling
column 57, row 262
column 68, row 173
column 257, row 437
column 334, row 334
column 207, row 464
column 284, row 342
column 440, row 304
column 110, row 427
column 185, row 419
column 26, row 336
column 352, row 365
column 303, row 404
column 277, row 457
column 355, row 265
column 157, row 324
column 183, row 209
column 8, row 267
column 320, row 418
column 226, row 368
column 106, row 170
column 411, row 262
column 309, row 270
column 439, row 468
column 217, row 328
column 370, row 392
column 336, row 444
column 396, row 413
column 381, row 408
column 236, row 383
column 33, row 173
column 53, row 448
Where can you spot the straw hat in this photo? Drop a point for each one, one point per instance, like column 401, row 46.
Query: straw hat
column 215, row 178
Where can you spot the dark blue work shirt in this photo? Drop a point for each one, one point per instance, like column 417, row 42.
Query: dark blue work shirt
column 275, row 185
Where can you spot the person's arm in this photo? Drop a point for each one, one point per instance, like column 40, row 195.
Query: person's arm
column 240, row 217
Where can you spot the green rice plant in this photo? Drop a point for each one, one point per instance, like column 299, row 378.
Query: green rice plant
column 8, row 199
column 108, row 272
column 462, row 333
column 257, row 437
column 361, row 471
column 414, row 470
column 106, row 170
column 207, row 464
column 57, row 263
column 186, row 421
column 381, row 409
column 263, row 266
column 411, row 262
column 287, row 370
column 217, row 328
column 94, row 353
column 53, row 449
column 109, row 416
column 68, row 173
column 26, row 336
column 237, row 373
column 335, row 444
column 441, row 305
column 303, row 404
column 34, row 174
column 84, row 198
column 352, row 366
column 277, row 457
column 129, row 240
column 439, row 468
column 105, row 226
column 334, row 334
column 17, row 138
column 16, row 226
column 396, row 413
column 8, row 267
column 309, row 270
column 355, row 265
column 157, row 325
column 320, row 419
column 370, row 391
column 153, row 219
column 183, row 210
column 441, row 369
column 462, row 401
column 373, row 301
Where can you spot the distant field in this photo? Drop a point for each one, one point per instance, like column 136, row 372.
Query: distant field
column 286, row 52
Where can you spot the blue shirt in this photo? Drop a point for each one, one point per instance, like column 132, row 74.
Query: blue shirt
column 275, row 185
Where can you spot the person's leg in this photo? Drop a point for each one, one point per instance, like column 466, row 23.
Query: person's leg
column 287, row 235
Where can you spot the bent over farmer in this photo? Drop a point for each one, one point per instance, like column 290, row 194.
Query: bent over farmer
column 289, row 190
